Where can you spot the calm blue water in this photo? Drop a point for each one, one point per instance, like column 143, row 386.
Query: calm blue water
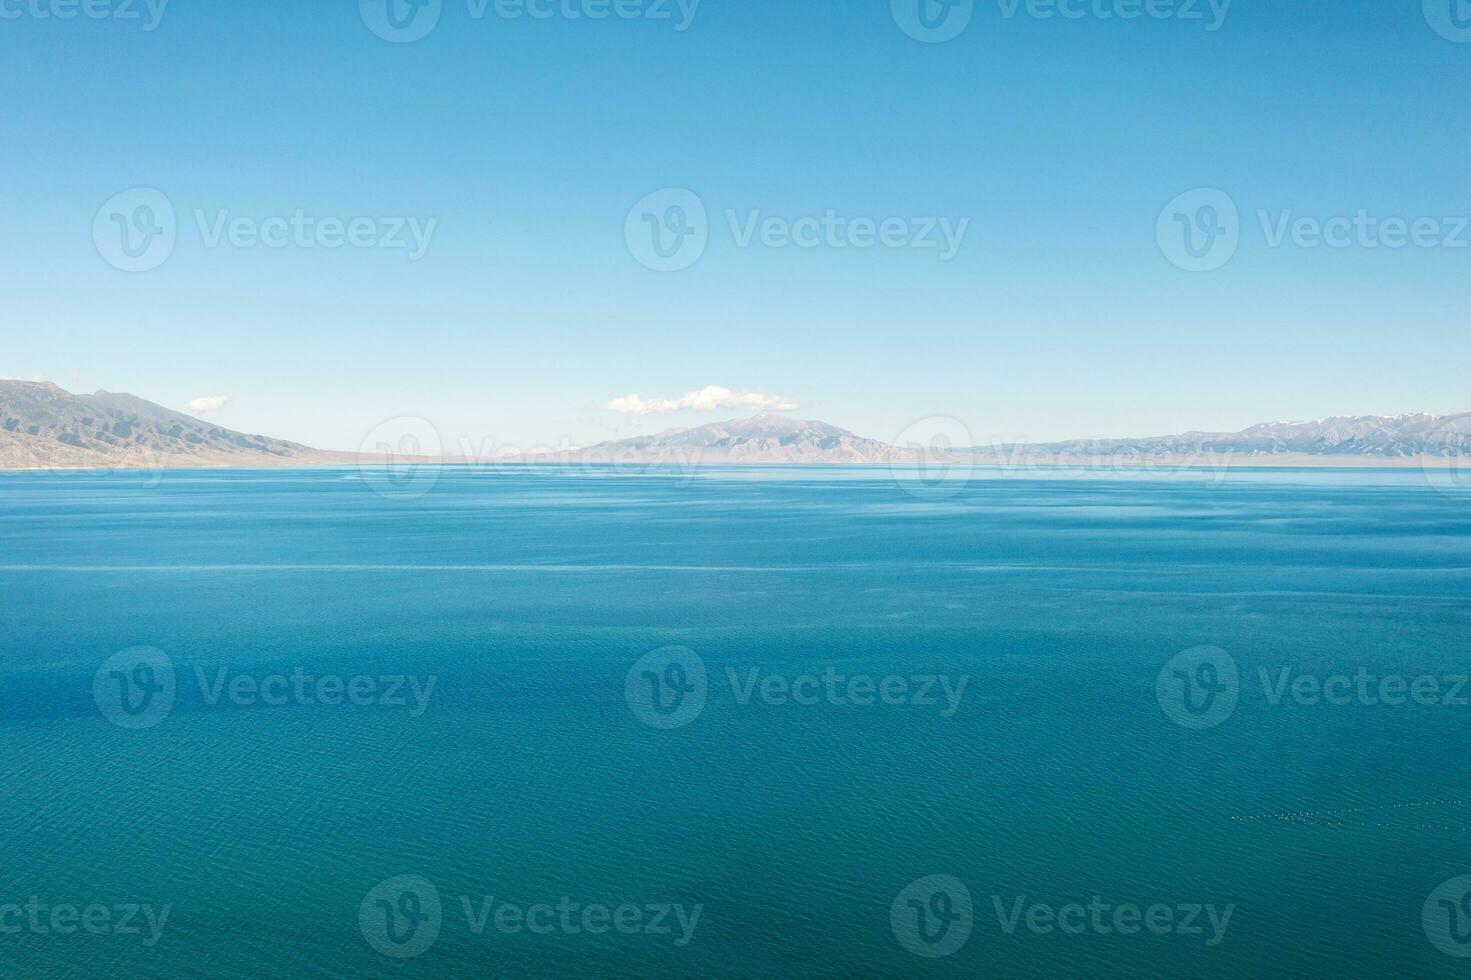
column 527, row 595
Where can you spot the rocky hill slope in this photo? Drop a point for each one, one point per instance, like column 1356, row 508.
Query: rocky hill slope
column 43, row 426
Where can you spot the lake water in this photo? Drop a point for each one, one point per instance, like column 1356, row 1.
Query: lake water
column 734, row 723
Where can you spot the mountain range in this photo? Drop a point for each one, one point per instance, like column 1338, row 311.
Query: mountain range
column 1361, row 440
column 43, row 426
column 1370, row 436
column 762, row 439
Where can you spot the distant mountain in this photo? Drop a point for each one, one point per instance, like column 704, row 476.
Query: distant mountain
column 42, row 425
column 1373, row 436
column 775, row 439
column 763, row 439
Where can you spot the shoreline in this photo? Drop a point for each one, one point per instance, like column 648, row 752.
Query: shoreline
column 1283, row 461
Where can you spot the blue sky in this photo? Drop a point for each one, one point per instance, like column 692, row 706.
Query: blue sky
column 524, row 143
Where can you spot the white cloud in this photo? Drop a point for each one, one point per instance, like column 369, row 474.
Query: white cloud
column 710, row 398
column 209, row 403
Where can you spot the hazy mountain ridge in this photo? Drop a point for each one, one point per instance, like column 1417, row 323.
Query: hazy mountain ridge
column 775, row 439
column 42, row 425
column 1393, row 437
column 762, row 439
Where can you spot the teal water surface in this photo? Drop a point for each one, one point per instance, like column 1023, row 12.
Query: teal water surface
column 1064, row 774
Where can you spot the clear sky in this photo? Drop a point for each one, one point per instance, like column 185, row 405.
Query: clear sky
column 519, row 147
